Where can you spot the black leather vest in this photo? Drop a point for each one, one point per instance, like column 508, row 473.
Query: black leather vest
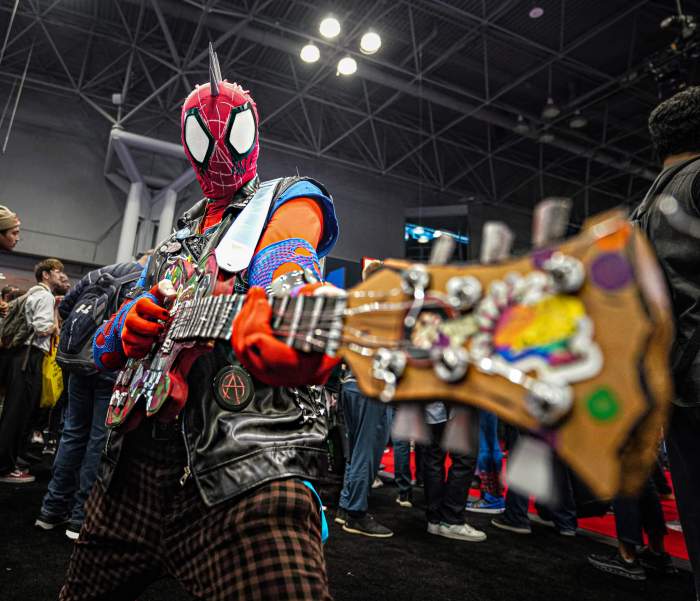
column 278, row 433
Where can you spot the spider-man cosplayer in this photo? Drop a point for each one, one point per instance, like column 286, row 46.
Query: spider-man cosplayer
column 219, row 498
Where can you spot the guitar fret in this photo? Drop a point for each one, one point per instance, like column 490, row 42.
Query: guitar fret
column 298, row 308
column 207, row 321
column 226, row 313
column 220, row 314
column 187, row 330
column 335, row 332
column 179, row 321
column 184, row 314
column 234, row 304
column 279, row 316
column 196, row 324
column 315, row 316
column 240, row 299
column 204, row 317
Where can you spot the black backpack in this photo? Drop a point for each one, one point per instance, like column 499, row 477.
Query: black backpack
column 14, row 329
column 95, row 305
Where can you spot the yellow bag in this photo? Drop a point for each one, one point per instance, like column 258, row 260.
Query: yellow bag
column 51, row 378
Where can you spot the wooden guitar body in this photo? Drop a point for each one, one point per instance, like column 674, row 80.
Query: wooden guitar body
column 607, row 343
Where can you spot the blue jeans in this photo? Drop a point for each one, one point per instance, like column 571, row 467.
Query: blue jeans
column 367, row 428
column 490, row 458
column 80, row 448
column 402, row 465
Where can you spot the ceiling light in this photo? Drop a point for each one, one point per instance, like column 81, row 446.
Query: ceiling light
column 310, row 53
column 550, row 110
column 418, row 230
column 521, row 127
column 422, row 239
column 347, row 65
column 437, row 234
column 546, row 137
column 536, row 12
column 370, row 42
column 578, row 121
column 329, row 27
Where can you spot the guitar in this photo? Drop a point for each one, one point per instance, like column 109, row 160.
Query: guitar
column 570, row 342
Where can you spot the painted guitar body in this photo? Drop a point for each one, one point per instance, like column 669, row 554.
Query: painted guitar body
column 158, row 382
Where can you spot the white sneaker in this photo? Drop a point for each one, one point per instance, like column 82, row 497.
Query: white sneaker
column 461, row 532
column 72, row 534
column 377, row 483
column 433, row 527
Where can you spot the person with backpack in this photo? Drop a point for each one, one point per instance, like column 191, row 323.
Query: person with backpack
column 26, row 331
column 84, row 309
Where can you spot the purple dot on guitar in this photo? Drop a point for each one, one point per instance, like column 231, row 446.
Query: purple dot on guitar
column 540, row 256
column 611, row 271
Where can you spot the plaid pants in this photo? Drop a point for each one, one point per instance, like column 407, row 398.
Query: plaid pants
column 264, row 545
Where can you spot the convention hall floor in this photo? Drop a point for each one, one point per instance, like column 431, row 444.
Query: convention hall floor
column 411, row 566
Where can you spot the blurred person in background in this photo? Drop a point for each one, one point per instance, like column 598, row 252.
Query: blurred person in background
column 9, row 229
column 674, row 126
column 24, row 388
column 489, row 463
column 89, row 391
column 446, row 497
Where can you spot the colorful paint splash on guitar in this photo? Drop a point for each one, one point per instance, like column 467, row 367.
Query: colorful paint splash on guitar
column 552, row 337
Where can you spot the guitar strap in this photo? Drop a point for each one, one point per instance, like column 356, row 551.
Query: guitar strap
column 235, row 250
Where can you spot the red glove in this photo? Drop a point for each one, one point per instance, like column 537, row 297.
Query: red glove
column 267, row 358
column 145, row 320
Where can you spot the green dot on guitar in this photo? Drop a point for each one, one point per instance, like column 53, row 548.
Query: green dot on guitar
column 602, row 404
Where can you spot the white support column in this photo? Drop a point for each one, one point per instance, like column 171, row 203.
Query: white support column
column 167, row 215
column 130, row 223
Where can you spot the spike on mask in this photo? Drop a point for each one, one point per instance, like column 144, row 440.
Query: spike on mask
column 220, row 134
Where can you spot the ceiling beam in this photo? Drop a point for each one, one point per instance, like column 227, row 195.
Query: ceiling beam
column 500, row 119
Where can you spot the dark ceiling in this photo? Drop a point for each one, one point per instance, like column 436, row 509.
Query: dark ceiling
column 435, row 107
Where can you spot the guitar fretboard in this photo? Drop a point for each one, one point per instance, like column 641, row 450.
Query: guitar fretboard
column 307, row 323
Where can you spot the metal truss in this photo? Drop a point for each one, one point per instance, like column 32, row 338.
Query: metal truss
column 403, row 119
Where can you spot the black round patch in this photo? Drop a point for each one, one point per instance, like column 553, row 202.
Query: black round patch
column 233, row 388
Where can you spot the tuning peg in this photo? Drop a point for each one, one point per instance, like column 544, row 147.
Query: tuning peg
column 458, row 435
column 530, row 470
column 409, row 424
column 550, row 220
column 496, row 241
column 443, row 249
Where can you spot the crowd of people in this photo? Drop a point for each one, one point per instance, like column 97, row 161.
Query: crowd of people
column 132, row 311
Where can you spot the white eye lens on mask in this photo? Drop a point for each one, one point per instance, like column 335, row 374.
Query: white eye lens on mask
column 242, row 131
column 199, row 141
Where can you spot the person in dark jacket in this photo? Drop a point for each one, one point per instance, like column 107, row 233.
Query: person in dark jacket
column 84, row 430
column 674, row 126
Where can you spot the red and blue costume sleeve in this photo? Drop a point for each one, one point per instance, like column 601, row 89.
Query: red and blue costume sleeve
column 301, row 229
column 107, row 349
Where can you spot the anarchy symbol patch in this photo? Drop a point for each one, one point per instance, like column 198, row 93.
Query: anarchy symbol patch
column 233, row 388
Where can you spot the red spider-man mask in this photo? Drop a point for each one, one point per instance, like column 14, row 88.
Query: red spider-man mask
column 220, row 136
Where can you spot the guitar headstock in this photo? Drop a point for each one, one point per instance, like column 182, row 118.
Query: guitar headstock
column 570, row 342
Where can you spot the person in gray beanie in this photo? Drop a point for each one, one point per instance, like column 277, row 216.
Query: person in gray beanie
column 9, row 229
